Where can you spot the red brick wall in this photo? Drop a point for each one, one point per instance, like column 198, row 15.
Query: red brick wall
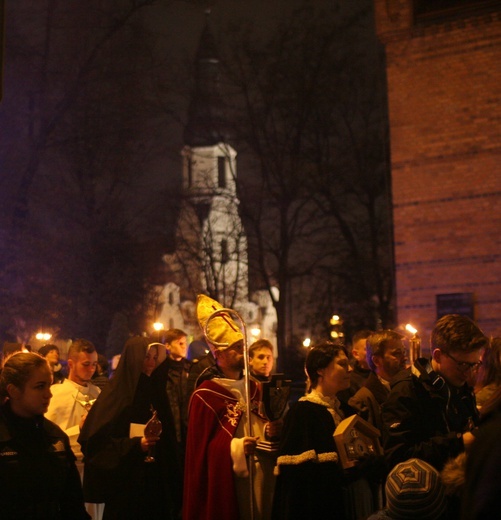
column 445, row 113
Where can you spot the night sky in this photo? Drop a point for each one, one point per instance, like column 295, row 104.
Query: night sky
column 71, row 134
column 181, row 25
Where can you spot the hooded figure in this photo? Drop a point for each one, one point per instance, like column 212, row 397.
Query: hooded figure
column 115, row 446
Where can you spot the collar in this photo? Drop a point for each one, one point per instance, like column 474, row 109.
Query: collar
column 258, row 377
column 82, row 389
column 19, row 423
column 331, row 403
column 385, row 383
column 234, row 386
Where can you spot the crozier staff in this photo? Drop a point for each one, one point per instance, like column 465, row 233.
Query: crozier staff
column 38, row 476
column 225, row 477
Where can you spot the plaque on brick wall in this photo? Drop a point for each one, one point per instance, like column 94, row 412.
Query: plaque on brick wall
column 455, row 303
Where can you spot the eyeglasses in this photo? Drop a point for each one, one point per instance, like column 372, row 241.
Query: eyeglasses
column 464, row 366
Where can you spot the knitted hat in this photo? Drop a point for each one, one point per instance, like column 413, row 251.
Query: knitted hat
column 414, row 490
column 222, row 331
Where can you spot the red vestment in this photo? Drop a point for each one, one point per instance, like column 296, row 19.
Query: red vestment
column 209, row 487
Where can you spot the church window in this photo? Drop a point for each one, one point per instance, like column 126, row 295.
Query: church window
column 224, row 251
column 189, row 166
column 221, row 172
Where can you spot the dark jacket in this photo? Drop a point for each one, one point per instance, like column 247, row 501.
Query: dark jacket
column 57, row 375
column 170, row 382
column 368, row 400
column 426, row 420
column 483, row 486
column 38, row 476
column 198, row 373
column 358, row 378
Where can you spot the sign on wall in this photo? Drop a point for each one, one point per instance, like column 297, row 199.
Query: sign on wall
column 455, row 303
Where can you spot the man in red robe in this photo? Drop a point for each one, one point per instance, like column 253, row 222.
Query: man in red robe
column 219, row 445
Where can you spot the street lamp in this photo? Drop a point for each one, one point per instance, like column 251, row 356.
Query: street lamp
column 255, row 332
column 336, row 326
column 158, row 326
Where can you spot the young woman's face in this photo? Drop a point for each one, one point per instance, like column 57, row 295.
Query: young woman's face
column 35, row 397
column 150, row 361
column 335, row 376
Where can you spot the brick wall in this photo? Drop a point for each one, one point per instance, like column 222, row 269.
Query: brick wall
column 444, row 109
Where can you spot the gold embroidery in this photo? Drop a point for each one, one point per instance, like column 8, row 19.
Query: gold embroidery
column 233, row 412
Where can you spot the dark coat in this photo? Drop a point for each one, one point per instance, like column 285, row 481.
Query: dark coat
column 171, row 395
column 115, row 469
column 358, row 378
column 38, row 476
column 310, row 480
column 58, row 376
column 483, row 486
column 423, row 422
column 368, row 400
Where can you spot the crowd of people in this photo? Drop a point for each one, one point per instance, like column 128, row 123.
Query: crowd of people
column 204, row 439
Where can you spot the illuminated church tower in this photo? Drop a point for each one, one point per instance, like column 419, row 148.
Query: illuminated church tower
column 210, row 231
column 211, row 246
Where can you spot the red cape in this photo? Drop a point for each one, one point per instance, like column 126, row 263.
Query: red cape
column 209, row 488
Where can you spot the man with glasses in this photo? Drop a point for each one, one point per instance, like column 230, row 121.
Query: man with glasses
column 431, row 409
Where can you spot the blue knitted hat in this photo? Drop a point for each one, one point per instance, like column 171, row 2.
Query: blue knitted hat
column 414, row 490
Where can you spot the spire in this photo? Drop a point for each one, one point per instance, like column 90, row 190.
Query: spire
column 206, row 124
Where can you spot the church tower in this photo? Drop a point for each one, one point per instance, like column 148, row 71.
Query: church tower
column 211, row 246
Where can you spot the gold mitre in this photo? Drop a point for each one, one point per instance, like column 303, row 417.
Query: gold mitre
column 222, row 331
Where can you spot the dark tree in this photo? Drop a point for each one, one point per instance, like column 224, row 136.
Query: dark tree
column 78, row 122
column 311, row 117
